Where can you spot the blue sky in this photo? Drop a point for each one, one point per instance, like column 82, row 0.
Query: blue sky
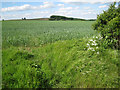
column 87, row 9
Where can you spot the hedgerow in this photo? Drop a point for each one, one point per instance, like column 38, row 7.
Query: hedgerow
column 108, row 24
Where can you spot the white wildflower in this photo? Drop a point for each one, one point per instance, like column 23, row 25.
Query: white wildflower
column 83, row 73
column 96, row 47
column 94, row 41
column 88, row 44
column 94, row 44
column 97, row 52
column 91, row 39
column 100, row 38
column 87, row 71
column 93, row 49
column 89, row 48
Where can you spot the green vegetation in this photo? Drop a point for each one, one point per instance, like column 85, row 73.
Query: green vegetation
column 56, row 18
column 36, row 33
column 108, row 24
column 55, row 54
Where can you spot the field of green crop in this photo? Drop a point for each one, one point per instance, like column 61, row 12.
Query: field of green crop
column 36, row 33
column 54, row 54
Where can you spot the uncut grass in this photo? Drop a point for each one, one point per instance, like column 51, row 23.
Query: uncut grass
column 62, row 64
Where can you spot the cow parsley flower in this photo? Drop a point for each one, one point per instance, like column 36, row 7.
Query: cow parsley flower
column 97, row 52
column 91, row 39
column 88, row 44
column 96, row 47
column 94, row 41
column 96, row 37
column 94, row 44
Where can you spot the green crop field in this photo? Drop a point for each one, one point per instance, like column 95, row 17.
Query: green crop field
column 54, row 54
column 36, row 33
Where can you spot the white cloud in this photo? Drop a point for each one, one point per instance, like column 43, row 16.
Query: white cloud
column 65, row 11
column 37, row 12
column 90, row 10
column 34, row 14
column 76, row 12
column 60, row 5
column 28, row 7
column 88, row 13
column 67, row 8
column 87, row 8
column 17, row 8
column 89, row 1
column 103, row 6
column 47, row 5
column 77, row 7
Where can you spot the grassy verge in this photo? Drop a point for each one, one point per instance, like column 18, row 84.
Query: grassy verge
column 65, row 63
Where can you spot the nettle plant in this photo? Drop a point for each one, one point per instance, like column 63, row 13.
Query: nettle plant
column 108, row 24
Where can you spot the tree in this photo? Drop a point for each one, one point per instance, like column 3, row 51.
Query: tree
column 24, row 18
column 108, row 24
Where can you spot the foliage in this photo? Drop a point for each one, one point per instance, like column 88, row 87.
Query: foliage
column 63, row 64
column 20, row 71
column 108, row 24
column 24, row 18
column 56, row 17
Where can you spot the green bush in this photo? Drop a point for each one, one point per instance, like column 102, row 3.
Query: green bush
column 108, row 24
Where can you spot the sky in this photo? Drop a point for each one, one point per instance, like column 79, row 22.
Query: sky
column 85, row 9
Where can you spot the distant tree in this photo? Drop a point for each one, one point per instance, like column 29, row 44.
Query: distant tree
column 24, row 18
column 55, row 17
column 2, row 19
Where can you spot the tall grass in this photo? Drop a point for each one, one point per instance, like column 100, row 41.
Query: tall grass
column 63, row 64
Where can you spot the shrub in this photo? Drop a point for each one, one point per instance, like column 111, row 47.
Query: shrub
column 108, row 24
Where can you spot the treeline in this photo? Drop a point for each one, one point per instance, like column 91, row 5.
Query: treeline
column 56, row 18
